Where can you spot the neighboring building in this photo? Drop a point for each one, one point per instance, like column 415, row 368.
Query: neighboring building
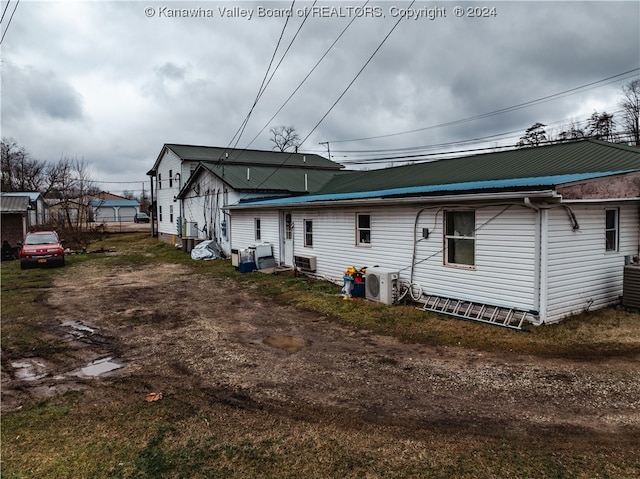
column 21, row 211
column 545, row 229
column 107, row 207
column 191, row 186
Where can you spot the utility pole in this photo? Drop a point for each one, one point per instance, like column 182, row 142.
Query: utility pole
column 328, row 148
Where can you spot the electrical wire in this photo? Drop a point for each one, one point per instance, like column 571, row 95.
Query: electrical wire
column 544, row 99
column 242, row 127
column 357, row 75
column 342, row 94
column 6, row 7
column 307, row 76
column 10, row 18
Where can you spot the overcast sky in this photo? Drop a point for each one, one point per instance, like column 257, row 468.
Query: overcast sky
column 111, row 81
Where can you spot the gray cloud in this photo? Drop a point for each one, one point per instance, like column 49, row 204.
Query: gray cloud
column 118, row 83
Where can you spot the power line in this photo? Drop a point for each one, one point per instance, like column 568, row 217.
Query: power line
column 344, row 91
column 6, row 7
column 357, row 75
column 242, row 127
column 10, row 18
column 610, row 79
column 308, row 74
column 497, row 136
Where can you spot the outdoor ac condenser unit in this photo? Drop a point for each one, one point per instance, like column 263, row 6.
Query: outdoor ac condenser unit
column 380, row 285
column 305, row 263
column 631, row 286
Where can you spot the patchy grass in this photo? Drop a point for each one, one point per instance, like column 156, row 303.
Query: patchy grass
column 187, row 435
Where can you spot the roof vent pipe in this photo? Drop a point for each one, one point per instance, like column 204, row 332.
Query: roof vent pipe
column 306, row 183
column 248, row 174
column 304, row 158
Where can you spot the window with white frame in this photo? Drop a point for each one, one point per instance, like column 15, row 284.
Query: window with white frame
column 159, row 181
column 308, row 232
column 170, row 213
column 257, row 228
column 170, row 178
column 459, row 238
column 612, row 217
column 363, row 229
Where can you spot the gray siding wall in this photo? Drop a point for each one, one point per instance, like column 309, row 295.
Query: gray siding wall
column 581, row 274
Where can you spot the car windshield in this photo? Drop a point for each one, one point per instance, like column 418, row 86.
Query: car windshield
column 41, row 239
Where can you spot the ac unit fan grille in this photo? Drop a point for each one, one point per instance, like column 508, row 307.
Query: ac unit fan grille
column 373, row 285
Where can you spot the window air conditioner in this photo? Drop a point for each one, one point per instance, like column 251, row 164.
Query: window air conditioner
column 305, row 263
column 380, row 285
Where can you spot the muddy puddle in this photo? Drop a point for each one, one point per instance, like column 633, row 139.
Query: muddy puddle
column 35, row 369
column 290, row 344
column 98, row 368
column 29, row 369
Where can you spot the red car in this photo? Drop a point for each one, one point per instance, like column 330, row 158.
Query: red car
column 41, row 248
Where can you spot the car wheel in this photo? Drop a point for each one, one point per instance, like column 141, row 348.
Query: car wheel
column 23, row 265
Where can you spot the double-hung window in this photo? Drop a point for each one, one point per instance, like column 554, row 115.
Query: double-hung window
column 363, row 229
column 308, row 233
column 459, row 238
column 611, row 227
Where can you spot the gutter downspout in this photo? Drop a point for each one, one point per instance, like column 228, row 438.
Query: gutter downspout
column 542, row 253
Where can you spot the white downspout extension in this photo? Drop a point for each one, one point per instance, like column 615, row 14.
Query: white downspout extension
column 543, row 258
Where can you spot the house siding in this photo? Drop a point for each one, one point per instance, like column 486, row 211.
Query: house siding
column 581, row 274
column 243, row 230
column 505, row 263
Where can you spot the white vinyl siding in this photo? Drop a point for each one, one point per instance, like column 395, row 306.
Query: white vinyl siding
column 505, row 249
column 243, row 233
column 581, row 273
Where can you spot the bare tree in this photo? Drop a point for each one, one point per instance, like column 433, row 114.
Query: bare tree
column 533, row 136
column 571, row 132
column 73, row 191
column 20, row 172
column 284, row 138
column 631, row 111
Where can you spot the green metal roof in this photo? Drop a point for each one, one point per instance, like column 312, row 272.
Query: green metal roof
column 587, row 156
column 253, row 157
column 265, row 178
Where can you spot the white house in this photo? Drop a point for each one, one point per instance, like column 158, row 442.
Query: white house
column 191, row 186
column 545, row 230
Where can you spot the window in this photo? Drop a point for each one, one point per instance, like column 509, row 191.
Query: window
column 159, row 181
column 257, row 228
column 170, row 178
column 288, row 227
column 308, row 232
column 170, row 213
column 611, row 229
column 363, row 229
column 459, row 237
column 160, row 212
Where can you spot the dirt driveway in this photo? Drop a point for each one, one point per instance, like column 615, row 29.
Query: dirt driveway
column 167, row 329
